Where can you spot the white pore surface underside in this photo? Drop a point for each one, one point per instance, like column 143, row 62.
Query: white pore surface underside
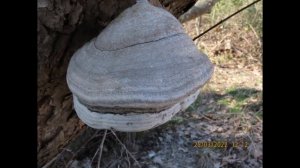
column 130, row 122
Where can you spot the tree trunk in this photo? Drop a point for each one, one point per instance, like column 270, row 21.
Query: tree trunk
column 63, row 27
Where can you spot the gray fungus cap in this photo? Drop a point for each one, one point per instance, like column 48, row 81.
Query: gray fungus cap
column 142, row 60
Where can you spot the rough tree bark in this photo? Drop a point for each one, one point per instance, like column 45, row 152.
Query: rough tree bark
column 63, row 27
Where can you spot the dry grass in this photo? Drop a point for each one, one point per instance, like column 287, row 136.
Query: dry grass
column 229, row 108
column 232, row 100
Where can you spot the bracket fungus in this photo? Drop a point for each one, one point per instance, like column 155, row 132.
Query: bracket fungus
column 138, row 72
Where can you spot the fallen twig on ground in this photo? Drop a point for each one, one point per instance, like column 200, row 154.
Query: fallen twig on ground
column 101, row 148
column 125, row 148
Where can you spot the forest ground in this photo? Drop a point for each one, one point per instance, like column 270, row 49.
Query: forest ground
column 228, row 110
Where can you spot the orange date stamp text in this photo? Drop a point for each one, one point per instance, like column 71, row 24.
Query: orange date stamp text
column 219, row 144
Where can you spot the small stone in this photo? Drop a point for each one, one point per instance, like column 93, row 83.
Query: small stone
column 220, row 129
column 168, row 137
column 151, row 154
column 152, row 166
column 158, row 160
column 180, row 141
column 160, row 139
column 193, row 135
column 74, row 164
column 183, row 149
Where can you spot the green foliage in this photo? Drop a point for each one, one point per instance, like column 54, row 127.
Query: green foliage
column 195, row 105
column 176, row 120
column 235, row 99
column 251, row 17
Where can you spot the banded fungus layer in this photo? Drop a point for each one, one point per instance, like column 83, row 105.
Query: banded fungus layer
column 138, row 72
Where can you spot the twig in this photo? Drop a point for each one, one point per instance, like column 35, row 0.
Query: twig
column 101, row 147
column 127, row 158
column 57, row 157
column 204, row 116
column 252, row 145
column 94, row 157
column 258, row 118
column 228, row 17
column 96, row 151
column 75, row 154
column 125, row 148
column 50, row 162
column 258, row 39
column 68, row 150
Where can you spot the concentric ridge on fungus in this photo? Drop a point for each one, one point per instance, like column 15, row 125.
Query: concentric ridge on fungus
column 142, row 64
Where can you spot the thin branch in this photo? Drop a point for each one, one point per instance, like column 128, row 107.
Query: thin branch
column 228, row 17
column 50, row 162
column 201, row 7
column 127, row 158
column 81, row 147
column 94, row 157
column 258, row 39
column 125, row 148
column 96, row 150
column 101, row 148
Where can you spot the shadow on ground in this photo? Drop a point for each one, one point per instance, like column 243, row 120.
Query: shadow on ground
column 230, row 119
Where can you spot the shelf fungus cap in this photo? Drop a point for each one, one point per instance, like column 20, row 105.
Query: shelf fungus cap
column 138, row 72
